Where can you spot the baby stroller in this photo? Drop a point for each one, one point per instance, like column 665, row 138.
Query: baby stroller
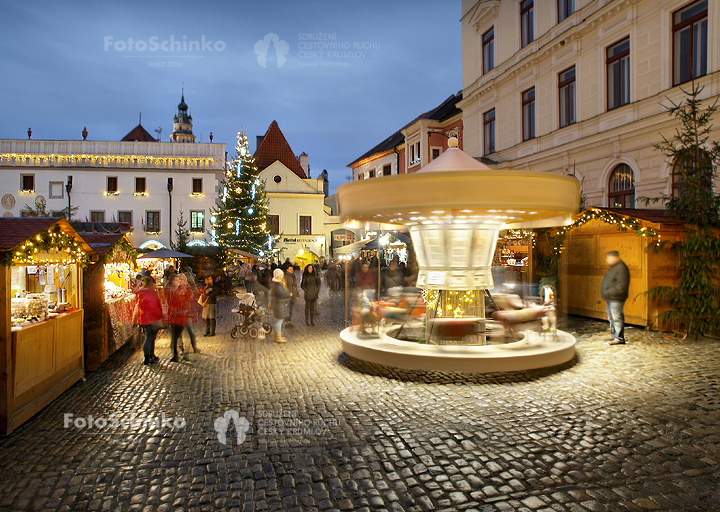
column 250, row 317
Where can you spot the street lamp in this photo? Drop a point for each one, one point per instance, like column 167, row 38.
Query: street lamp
column 68, row 188
column 170, row 189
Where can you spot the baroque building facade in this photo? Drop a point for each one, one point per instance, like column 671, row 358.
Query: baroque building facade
column 580, row 87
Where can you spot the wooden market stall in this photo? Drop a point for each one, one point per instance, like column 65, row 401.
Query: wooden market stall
column 107, row 285
column 583, row 262
column 41, row 315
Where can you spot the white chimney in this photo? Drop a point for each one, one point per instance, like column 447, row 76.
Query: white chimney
column 304, row 163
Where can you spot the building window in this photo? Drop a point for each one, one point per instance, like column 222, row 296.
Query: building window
column 435, row 153
column 111, row 187
column 681, row 172
column 140, row 188
column 197, row 221
column 197, row 188
column 690, row 42
column 567, row 97
column 27, row 182
column 125, row 217
column 527, row 35
column 565, row 9
column 305, row 225
column 622, row 187
column 488, row 43
column 528, row 113
column 273, row 223
column 97, row 216
column 361, row 176
column 277, row 179
column 57, row 189
column 618, row 74
column 489, row 131
column 152, row 223
column 372, row 173
column 387, row 170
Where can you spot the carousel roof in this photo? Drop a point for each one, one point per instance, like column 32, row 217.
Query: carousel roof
column 457, row 188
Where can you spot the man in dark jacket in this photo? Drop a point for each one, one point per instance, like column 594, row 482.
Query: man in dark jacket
column 614, row 291
column 291, row 283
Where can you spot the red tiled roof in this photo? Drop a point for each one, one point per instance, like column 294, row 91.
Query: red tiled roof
column 139, row 134
column 274, row 147
column 15, row 230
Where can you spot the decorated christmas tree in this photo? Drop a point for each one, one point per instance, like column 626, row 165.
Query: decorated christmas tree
column 241, row 218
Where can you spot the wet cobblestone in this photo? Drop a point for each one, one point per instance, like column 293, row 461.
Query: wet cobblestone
column 633, row 427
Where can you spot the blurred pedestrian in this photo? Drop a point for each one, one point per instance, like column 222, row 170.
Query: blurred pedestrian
column 178, row 301
column 148, row 313
column 292, row 286
column 280, row 301
column 209, row 304
column 392, row 276
column 365, row 279
column 187, row 281
column 614, row 290
column 311, row 289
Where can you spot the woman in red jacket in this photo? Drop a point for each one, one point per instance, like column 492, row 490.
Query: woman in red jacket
column 178, row 300
column 149, row 315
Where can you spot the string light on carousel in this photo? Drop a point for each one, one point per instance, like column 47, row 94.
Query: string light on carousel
column 454, row 209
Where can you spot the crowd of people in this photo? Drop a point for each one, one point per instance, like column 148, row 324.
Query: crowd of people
column 178, row 305
column 181, row 302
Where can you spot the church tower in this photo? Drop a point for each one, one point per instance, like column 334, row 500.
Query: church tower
column 182, row 124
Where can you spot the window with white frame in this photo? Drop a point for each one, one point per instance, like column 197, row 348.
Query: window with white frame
column 489, row 131
column 197, row 221
column 565, row 9
column 618, row 74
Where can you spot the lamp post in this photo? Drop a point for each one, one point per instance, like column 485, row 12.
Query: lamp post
column 68, row 188
column 170, row 189
column 382, row 242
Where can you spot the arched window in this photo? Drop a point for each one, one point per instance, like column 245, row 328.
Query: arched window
column 622, row 187
column 696, row 168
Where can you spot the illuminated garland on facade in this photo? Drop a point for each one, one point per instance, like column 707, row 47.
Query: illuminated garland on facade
column 33, row 159
column 46, row 247
column 622, row 223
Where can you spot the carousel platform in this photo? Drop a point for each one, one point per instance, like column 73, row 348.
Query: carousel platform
column 532, row 352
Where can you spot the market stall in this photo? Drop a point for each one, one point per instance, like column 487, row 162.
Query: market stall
column 41, row 314
column 108, row 297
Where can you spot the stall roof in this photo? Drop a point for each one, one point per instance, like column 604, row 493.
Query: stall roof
column 102, row 244
column 15, row 230
column 655, row 215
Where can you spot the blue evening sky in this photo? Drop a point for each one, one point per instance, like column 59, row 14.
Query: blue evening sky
column 67, row 65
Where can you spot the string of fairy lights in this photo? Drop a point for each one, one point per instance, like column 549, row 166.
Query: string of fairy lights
column 45, row 248
column 33, row 159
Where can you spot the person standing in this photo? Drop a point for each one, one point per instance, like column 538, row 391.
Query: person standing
column 291, row 283
column 187, row 281
column 178, row 301
column 311, row 289
column 280, row 298
column 148, row 314
column 209, row 304
column 614, row 290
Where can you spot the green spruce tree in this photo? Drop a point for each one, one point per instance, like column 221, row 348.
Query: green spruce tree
column 182, row 235
column 241, row 216
column 695, row 301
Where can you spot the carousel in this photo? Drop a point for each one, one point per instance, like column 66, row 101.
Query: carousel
column 454, row 209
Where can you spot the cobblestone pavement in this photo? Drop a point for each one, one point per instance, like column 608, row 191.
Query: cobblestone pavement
column 633, row 427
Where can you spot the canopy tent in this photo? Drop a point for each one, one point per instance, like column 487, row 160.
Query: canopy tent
column 355, row 248
column 163, row 254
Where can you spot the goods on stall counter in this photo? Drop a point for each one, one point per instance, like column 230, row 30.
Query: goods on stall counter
column 114, row 292
column 32, row 308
